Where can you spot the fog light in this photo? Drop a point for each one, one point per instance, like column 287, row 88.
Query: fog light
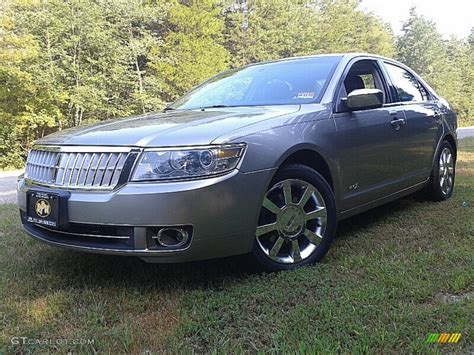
column 172, row 237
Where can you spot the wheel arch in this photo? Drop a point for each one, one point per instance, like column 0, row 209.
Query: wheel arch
column 451, row 140
column 309, row 155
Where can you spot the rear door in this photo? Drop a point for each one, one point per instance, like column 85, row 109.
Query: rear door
column 371, row 143
column 423, row 116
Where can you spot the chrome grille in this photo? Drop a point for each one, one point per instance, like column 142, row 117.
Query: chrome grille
column 75, row 169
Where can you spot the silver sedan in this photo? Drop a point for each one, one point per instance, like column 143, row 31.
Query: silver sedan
column 263, row 159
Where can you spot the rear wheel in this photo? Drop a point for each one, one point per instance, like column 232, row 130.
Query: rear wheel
column 297, row 220
column 441, row 183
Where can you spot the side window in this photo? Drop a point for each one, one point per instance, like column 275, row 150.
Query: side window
column 364, row 74
column 407, row 86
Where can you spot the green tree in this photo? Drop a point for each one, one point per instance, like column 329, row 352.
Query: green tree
column 268, row 29
column 87, row 61
column 67, row 63
column 343, row 27
column 421, row 47
column 94, row 53
column 192, row 49
column 271, row 29
column 457, row 78
column 28, row 109
column 446, row 65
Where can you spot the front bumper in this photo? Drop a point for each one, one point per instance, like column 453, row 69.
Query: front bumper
column 221, row 212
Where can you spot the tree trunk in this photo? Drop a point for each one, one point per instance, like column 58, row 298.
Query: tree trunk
column 137, row 68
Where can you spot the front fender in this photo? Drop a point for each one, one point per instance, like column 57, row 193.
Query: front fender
column 270, row 148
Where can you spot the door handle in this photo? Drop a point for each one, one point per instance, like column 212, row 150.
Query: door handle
column 397, row 123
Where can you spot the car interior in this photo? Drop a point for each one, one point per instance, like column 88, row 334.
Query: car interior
column 363, row 75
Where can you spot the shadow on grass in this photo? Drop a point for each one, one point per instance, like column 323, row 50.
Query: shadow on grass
column 354, row 224
column 84, row 270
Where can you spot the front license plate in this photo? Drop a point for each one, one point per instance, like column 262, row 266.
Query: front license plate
column 43, row 208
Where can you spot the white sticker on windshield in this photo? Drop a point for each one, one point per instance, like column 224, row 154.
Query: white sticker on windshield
column 304, row 95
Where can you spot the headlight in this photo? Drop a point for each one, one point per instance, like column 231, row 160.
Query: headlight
column 161, row 164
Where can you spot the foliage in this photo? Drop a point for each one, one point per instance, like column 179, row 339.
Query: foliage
column 448, row 66
column 63, row 64
column 192, row 49
column 27, row 107
column 67, row 63
column 271, row 29
column 345, row 28
column 268, row 29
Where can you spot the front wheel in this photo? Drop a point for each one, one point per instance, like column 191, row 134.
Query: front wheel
column 297, row 221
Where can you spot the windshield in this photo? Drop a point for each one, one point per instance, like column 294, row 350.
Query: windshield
column 288, row 82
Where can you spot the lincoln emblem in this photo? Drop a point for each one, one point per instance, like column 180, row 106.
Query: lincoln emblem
column 43, row 208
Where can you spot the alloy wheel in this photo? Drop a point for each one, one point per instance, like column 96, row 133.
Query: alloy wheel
column 446, row 171
column 292, row 221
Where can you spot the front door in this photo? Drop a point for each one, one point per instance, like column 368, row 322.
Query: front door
column 371, row 143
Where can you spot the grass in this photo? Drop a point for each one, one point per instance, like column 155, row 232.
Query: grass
column 394, row 275
column 468, row 122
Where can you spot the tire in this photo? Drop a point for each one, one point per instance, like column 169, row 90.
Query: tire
column 441, row 183
column 299, row 206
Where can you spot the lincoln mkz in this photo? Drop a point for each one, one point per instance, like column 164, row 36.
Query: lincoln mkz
column 264, row 159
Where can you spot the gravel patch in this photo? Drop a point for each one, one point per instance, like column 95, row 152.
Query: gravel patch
column 8, row 186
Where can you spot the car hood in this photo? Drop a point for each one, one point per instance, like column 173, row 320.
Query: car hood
column 174, row 128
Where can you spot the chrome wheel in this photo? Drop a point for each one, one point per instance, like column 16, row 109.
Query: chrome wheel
column 446, row 171
column 292, row 221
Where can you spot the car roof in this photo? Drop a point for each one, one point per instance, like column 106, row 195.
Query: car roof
column 347, row 56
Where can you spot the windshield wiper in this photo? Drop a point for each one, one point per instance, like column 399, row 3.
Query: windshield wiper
column 167, row 108
column 215, row 106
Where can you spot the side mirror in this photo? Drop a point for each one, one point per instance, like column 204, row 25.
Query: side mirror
column 364, row 99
